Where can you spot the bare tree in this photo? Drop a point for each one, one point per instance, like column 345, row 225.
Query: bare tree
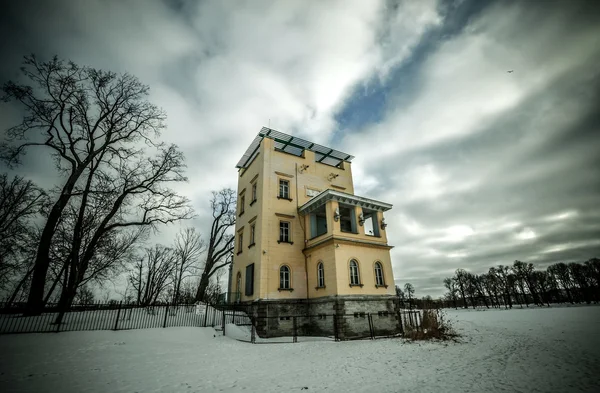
column 563, row 276
column 188, row 247
column 460, row 276
column 152, row 274
column 219, row 251
column 409, row 290
column 20, row 204
column 129, row 198
column 450, row 285
column 78, row 114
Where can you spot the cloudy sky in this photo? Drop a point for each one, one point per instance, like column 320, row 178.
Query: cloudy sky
column 482, row 166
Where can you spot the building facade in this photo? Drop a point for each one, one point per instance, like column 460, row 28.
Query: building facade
column 304, row 243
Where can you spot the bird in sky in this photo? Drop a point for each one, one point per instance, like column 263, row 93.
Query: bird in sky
column 510, row 72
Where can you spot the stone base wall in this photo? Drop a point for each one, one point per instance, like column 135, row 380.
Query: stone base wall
column 315, row 317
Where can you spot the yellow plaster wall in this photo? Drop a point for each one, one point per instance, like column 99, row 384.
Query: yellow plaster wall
column 268, row 255
column 253, row 254
column 366, row 257
column 325, row 254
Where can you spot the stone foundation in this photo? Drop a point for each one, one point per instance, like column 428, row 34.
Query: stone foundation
column 315, row 317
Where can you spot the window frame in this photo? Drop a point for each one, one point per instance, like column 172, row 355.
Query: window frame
column 242, row 203
column 320, row 275
column 357, row 275
column 283, row 271
column 240, row 242
column 253, row 192
column 378, row 266
column 252, row 235
column 289, row 232
column 280, row 194
column 238, row 285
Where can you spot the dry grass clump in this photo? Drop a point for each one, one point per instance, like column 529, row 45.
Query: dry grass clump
column 434, row 325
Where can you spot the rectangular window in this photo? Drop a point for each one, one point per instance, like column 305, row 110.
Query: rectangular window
column 240, row 242
column 369, row 220
column 253, row 193
column 284, row 189
column 318, row 222
column 347, row 219
column 252, row 231
column 242, row 203
column 284, row 232
column 249, row 290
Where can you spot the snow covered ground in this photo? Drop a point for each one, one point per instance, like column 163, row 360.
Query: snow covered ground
column 535, row 350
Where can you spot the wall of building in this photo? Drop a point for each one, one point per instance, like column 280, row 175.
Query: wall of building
column 316, row 317
column 278, row 165
column 254, row 173
column 366, row 255
column 269, row 255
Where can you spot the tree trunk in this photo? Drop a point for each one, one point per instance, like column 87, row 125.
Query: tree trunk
column 19, row 286
column 204, row 281
column 35, row 300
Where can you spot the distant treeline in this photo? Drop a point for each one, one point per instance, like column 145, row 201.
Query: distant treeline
column 523, row 284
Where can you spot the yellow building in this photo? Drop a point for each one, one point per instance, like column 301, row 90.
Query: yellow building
column 303, row 238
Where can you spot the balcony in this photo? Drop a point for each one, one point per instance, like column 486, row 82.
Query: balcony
column 335, row 214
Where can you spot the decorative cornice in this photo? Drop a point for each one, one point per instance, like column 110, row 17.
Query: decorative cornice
column 349, row 199
column 284, row 215
column 284, row 174
column 345, row 240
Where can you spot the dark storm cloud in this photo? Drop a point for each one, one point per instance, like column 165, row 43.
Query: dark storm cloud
column 511, row 172
column 483, row 167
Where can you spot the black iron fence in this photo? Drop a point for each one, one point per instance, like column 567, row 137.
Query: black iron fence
column 236, row 321
column 111, row 316
column 334, row 327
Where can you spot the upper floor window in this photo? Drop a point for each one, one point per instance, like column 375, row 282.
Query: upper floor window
column 379, row 281
column 318, row 222
column 284, row 232
column 284, row 277
column 284, row 189
column 354, row 273
column 320, row 275
column 240, row 242
column 253, row 193
column 242, row 203
column 347, row 218
column 252, row 234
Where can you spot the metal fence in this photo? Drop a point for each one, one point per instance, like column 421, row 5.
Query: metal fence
column 112, row 316
column 236, row 322
column 333, row 327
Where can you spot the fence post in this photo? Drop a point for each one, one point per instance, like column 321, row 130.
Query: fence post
column 166, row 313
column 370, row 319
column 253, row 334
column 205, row 314
column 118, row 314
column 233, row 317
column 223, row 319
column 400, row 322
column 335, row 328
column 295, row 330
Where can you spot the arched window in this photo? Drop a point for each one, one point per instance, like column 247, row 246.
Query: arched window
column 354, row 273
column 284, row 277
column 379, row 281
column 320, row 275
column 238, row 287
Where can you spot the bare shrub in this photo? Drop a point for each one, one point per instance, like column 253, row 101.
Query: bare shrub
column 434, row 325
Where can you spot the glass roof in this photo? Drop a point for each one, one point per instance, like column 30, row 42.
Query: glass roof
column 292, row 145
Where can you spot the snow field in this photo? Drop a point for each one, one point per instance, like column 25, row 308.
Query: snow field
column 536, row 350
